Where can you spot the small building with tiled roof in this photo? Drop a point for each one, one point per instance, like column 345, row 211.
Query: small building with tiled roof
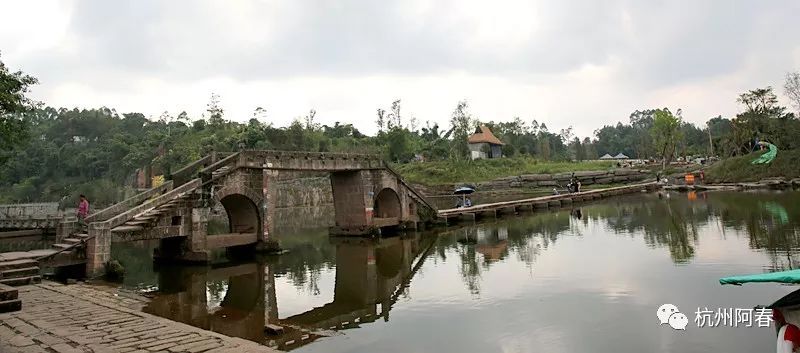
column 483, row 144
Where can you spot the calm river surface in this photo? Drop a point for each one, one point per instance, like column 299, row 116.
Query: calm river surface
column 537, row 282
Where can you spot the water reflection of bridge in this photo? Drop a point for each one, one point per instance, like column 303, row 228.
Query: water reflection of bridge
column 370, row 275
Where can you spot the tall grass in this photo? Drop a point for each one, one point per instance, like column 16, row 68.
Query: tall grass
column 451, row 172
column 737, row 169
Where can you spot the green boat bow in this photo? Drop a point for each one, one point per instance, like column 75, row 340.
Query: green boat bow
column 792, row 276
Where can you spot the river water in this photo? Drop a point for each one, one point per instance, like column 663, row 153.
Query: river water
column 584, row 279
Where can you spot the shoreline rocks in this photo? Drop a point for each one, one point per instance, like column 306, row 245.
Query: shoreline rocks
column 533, row 181
column 774, row 183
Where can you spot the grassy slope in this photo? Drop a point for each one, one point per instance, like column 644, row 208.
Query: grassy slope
column 738, row 169
column 450, row 172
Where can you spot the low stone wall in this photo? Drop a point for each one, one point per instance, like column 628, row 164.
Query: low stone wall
column 303, row 200
column 547, row 181
column 553, row 180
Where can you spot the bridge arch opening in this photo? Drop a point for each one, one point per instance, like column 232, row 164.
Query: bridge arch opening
column 387, row 204
column 242, row 213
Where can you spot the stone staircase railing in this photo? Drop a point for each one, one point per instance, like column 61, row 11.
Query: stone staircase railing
column 158, row 201
column 413, row 191
column 177, row 179
column 190, row 171
column 207, row 173
column 132, row 201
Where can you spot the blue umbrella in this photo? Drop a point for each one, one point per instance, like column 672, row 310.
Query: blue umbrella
column 464, row 190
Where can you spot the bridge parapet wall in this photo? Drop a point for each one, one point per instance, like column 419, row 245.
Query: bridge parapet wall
column 45, row 215
column 309, row 161
column 42, row 210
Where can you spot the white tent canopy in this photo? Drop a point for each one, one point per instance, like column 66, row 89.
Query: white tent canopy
column 606, row 156
column 621, row 156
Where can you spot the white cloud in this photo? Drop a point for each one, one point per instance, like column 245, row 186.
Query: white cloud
column 578, row 63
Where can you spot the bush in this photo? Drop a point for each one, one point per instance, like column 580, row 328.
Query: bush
column 114, row 271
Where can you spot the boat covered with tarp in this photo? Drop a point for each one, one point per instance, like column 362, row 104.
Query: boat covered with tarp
column 791, row 276
column 785, row 311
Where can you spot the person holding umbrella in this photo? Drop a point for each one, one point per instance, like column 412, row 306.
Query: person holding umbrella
column 464, row 191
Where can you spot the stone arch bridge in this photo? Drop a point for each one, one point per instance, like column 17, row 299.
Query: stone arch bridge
column 369, row 197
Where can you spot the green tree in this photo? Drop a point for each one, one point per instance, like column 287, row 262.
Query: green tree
column 463, row 124
column 641, row 140
column 578, row 149
column 792, row 88
column 763, row 118
column 395, row 120
column 13, row 103
column 214, row 111
column 381, row 119
column 399, row 145
column 666, row 133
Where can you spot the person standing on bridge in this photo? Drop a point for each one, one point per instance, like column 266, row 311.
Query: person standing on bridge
column 83, row 210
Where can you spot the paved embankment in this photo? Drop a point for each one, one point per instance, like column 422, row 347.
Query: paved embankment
column 544, row 202
column 83, row 318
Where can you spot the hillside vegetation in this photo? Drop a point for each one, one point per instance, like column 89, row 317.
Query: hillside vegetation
column 453, row 172
column 739, row 169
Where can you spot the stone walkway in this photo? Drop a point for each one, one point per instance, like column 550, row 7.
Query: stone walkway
column 83, row 318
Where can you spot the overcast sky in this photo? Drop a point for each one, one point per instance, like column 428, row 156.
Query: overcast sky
column 578, row 63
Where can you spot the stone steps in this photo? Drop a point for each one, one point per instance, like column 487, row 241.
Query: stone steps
column 17, row 272
column 123, row 229
column 71, row 241
column 60, row 246
column 8, row 293
column 220, row 171
column 9, row 299
column 20, row 272
column 15, row 264
column 21, row 281
column 7, row 306
column 151, row 216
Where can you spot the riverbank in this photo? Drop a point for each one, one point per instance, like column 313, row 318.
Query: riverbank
column 86, row 318
column 450, row 172
column 516, row 185
column 740, row 169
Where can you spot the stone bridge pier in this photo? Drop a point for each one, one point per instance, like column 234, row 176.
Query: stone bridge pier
column 365, row 201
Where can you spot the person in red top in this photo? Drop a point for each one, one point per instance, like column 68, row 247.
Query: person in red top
column 83, row 209
column 788, row 334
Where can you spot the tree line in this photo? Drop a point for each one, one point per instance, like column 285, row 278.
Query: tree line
column 52, row 154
